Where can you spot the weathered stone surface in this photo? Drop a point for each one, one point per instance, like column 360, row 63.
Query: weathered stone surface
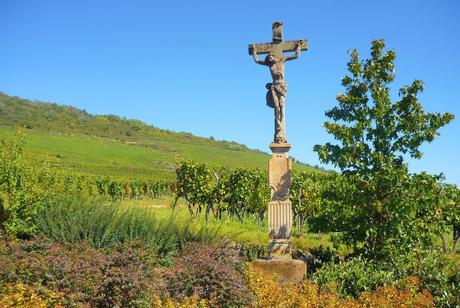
column 276, row 94
column 277, row 48
column 279, row 171
column 280, row 207
column 280, row 166
column 280, row 219
column 280, row 249
column 289, row 271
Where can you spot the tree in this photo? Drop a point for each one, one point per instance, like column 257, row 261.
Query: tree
column 375, row 135
column 451, row 211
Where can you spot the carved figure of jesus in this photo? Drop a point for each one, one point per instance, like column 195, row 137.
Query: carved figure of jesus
column 276, row 94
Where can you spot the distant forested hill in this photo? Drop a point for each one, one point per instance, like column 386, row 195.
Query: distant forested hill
column 107, row 144
column 56, row 118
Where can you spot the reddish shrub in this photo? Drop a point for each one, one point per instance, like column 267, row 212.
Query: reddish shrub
column 211, row 273
column 406, row 293
column 122, row 276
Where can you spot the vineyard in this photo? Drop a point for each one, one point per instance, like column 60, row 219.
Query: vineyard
column 320, row 201
column 384, row 236
column 320, row 204
column 26, row 188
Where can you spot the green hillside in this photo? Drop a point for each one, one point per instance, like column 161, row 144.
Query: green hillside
column 70, row 138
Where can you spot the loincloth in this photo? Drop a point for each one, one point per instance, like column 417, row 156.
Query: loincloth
column 279, row 88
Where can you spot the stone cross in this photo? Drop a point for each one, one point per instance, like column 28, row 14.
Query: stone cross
column 277, row 46
column 276, row 94
column 280, row 165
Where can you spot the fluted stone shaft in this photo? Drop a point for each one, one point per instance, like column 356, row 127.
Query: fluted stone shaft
column 280, row 219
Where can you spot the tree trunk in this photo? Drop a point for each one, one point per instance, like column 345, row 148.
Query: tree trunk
column 299, row 215
column 175, row 202
column 208, row 208
column 300, row 224
column 215, row 212
column 189, row 206
column 455, row 236
column 198, row 210
column 239, row 217
column 261, row 216
column 444, row 245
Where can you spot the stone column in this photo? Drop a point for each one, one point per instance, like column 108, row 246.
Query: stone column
column 279, row 207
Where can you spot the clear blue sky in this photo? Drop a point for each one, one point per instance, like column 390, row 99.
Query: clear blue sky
column 183, row 65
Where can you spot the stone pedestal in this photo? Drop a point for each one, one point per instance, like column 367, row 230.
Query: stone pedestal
column 280, row 220
column 289, row 271
column 279, row 207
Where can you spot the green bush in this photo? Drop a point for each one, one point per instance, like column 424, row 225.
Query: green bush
column 349, row 278
column 104, row 225
column 435, row 271
column 253, row 251
column 20, row 196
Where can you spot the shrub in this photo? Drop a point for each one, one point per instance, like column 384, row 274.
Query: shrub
column 269, row 294
column 437, row 273
column 20, row 197
column 316, row 257
column 406, row 293
column 251, row 252
column 188, row 302
column 20, row 295
column 208, row 272
column 104, row 225
column 122, row 276
column 433, row 270
column 352, row 277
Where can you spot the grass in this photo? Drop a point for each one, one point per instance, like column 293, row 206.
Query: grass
column 103, row 156
column 103, row 225
column 249, row 231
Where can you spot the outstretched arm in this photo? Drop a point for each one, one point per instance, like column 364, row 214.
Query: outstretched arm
column 297, row 52
column 254, row 55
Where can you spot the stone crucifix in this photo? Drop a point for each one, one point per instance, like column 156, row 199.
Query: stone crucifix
column 276, row 94
column 280, row 165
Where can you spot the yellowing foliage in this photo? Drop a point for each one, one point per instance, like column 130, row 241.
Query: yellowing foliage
column 269, row 294
column 20, row 295
column 189, row 302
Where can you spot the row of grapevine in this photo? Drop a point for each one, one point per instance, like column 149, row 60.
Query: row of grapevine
column 121, row 189
column 237, row 192
column 240, row 192
column 107, row 188
column 27, row 187
column 325, row 200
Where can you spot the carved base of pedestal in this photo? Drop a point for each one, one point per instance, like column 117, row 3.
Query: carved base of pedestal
column 280, row 249
column 289, row 271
